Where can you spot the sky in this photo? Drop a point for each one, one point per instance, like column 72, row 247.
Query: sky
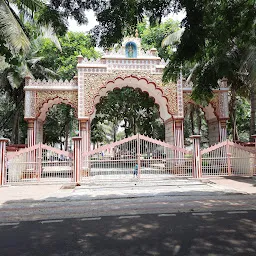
column 73, row 26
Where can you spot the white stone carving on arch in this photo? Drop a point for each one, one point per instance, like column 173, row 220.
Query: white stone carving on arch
column 49, row 104
column 135, row 83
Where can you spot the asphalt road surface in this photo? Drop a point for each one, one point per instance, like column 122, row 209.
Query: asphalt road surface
column 191, row 233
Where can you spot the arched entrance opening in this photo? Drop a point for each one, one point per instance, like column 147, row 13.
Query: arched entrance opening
column 125, row 112
column 152, row 93
column 195, row 123
column 61, row 115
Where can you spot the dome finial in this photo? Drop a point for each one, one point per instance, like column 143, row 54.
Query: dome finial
column 136, row 33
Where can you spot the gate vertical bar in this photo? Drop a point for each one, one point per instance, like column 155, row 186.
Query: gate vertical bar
column 77, row 159
column 228, row 158
column 138, row 155
column 197, row 160
column 3, row 164
column 40, row 156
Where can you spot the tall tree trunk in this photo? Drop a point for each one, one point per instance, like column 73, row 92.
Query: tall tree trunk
column 67, row 124
column 66, row 136
column 125, row 128
column 232, row 114
column 191, row 115
column 15, row 124
column 134, row 126
column 114, row 132
column 253, row 108
column 198, row 120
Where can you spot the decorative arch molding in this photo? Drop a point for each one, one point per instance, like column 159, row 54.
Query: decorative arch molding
column 50, row 103
column 46, row 99
column 96, row 86
column 140, row 84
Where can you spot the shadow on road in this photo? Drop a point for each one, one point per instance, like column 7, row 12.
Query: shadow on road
column 248, row 180
column 183, row 234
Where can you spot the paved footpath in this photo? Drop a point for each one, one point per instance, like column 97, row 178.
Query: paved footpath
column 37, row 202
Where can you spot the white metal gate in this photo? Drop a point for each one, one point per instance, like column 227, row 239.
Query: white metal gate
column 228, row 158
column 39, row 163
column 137, row 156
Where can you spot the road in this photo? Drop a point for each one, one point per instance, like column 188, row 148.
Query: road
column 191, row 233
column 177, row 218
column 26, row 210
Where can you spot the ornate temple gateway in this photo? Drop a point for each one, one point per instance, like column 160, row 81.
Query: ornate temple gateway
column 129, row 66
column 137, row 156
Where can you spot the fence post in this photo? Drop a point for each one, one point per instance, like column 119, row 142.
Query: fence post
column 77, row 158
column 39, row 160
column 254, row 164
column 197, row 160
column 138, row 155
column 3, row 164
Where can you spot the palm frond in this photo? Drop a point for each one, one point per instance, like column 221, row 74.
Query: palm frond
column 11, row 30
column 3, row 64
column 29, row 6
column 248, row 66
column 173, row 38
column 13, row 79
column 48, row 32
column 35, row 60
column 192, row 73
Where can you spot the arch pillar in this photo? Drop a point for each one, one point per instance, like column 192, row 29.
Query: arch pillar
column 31, row 132
column 84, row 133
column 39, row 126
column 169, row 131
column 213, row 131
column 222, row 130
column 179, row 132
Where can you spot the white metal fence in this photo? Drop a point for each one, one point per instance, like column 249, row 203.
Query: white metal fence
column 134, row 157
column 228, row 158
column 40, row 163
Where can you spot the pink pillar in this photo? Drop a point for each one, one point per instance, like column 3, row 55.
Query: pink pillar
column 3, row 164
column 178, row 133
column 77, row 158
column 31, row 139
column 31, row 132
column 197, row 161
column 222, row 130
column 138, row 156
column 169, row 133
column 254, row 169
column 84, row 133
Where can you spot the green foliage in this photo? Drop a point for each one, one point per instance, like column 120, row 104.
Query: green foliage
column 62, row 118
column 131, row 109
column 119, row 18
column 152, row 37
column 64, row 62
column 216, row 36
column 242, row 119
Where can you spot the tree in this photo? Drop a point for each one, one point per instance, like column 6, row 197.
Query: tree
column 64, row 62
column 12, row 80
column 62, row 118
column 151, row 37
column 125, row 16
column 216, row 37
column 131, row 109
